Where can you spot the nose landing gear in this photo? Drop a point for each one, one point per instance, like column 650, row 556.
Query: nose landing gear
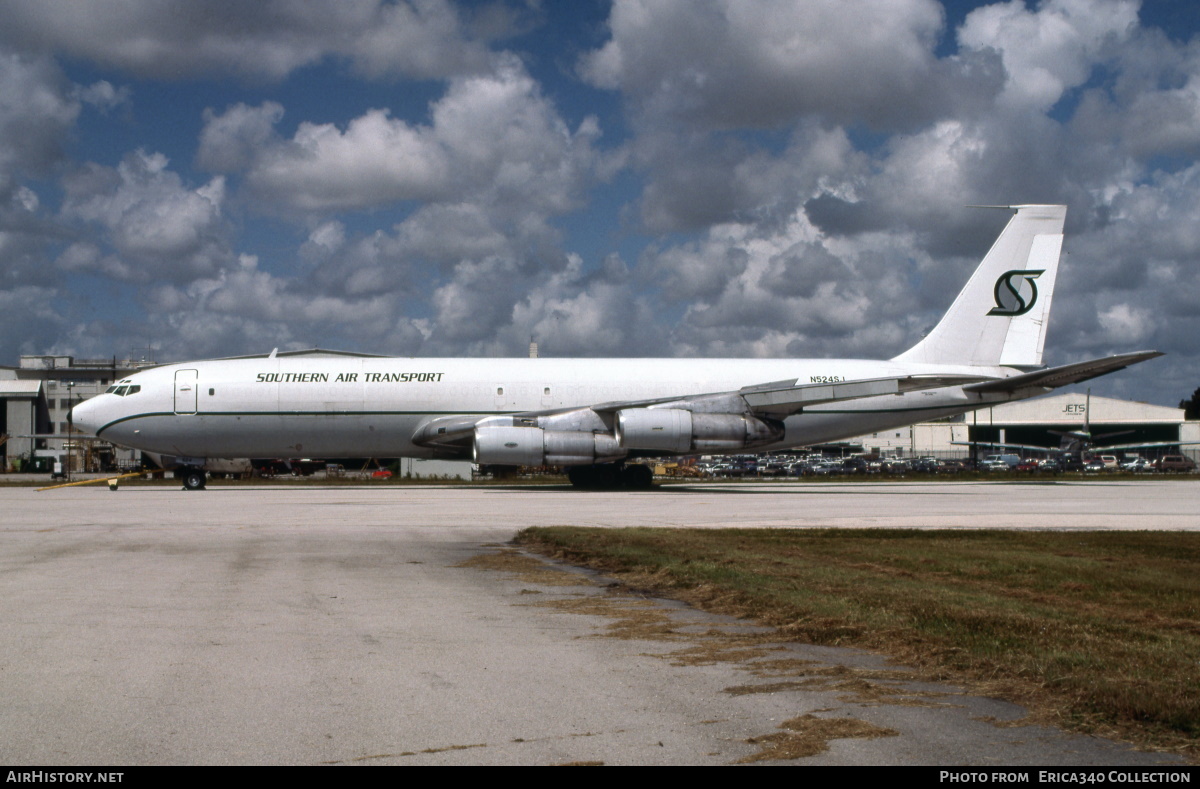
column 193, row 478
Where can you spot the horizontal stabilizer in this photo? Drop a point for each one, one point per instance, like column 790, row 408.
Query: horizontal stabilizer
column 1054, row 377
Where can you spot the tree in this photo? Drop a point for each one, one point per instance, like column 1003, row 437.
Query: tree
column 1191, row 408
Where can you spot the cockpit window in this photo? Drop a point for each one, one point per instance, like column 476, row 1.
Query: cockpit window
column 122, row 389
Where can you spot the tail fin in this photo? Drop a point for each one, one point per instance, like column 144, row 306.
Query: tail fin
column 1000, row 317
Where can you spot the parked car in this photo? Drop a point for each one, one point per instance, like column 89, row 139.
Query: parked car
column 1051, row 466
column 1000, row 462
column 773, row 469
column 1180, row 464
column 925, row 466
column 854, row 466
column 726, row 470
column 1137, row 466
column 825, row 468
column 799, row 468
column 1070, row 463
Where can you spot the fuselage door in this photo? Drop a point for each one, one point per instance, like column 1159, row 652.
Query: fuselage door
column 185, row 391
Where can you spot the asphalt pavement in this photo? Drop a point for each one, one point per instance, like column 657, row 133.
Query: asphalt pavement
column 394, row 625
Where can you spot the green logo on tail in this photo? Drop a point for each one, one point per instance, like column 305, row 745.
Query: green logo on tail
column 1016, row 292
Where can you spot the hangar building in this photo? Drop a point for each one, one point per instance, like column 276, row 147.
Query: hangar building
column 1029, row 422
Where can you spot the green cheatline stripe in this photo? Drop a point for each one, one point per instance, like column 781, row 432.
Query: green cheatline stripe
column 304, row 413
column 447, row 413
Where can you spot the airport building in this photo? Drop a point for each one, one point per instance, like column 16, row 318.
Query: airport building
column 35, row 399
column 1029, row 422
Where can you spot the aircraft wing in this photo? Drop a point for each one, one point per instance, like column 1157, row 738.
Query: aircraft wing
column 1027, row 447
column 1145, row 445
column 1054, row 377
column 776, row 399
column 784, row 398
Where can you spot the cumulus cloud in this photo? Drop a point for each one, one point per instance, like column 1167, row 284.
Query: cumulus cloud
column 242, row 307
column 792, row 291
column 1152, row 107
column 492, row 138
column 731, row 63
column 37, row 112
column 600, row 313
column 785, row 179
column 231, row 140
column 30, row 322
column 104, row 96
column 696, row 181
column 423, row 39
column 1049, row 50
column 157, row 227
column 376, row 160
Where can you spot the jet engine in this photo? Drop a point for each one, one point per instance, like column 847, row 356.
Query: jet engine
column 533, row 446
column 677, row 430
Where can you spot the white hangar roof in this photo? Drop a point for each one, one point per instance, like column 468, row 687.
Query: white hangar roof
column 1071, row 407
column 17, row 389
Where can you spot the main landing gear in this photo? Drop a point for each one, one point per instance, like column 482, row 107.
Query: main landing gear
column 611, row 475
column 193, row 478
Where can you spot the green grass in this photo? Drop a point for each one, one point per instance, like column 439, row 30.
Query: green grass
column 1098, row 631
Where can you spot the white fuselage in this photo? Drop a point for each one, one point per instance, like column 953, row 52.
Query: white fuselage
column 342, row 406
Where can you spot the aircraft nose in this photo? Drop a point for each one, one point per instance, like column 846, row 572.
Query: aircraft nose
column 83, row 417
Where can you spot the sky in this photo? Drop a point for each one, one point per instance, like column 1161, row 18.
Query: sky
column 685, row 178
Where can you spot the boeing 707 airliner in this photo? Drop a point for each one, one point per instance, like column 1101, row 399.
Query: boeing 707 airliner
column 592, row 415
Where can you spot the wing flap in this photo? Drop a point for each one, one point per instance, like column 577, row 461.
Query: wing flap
column 780, row 398
column 789, row 399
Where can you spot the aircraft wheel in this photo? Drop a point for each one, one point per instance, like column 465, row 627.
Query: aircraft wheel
column 193, row 479
column 582, row 476
column 604, row 475
column 637, row 475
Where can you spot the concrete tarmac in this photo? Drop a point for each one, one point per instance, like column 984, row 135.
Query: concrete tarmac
column 316, row 625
